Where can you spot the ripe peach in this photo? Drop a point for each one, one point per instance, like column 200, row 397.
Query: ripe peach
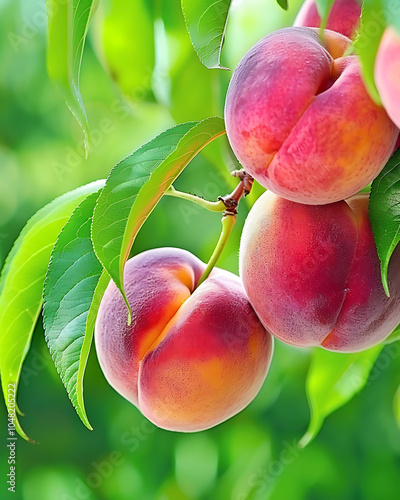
column 300, row 120
column 387, row 73
column 191, row 357
column 343, row 18
column 312, row 274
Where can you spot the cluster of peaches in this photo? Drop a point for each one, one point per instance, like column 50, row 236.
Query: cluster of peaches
column 301, row 122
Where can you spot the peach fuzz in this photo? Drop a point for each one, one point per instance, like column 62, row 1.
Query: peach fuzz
column 343, row 18
column 191, row 358
column 312, row 274
column 300, row 120
column 387, row 73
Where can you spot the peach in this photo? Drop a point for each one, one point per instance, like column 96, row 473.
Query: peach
column 387, row 73
column 312, row 274
column 300, row 120
column 343, row 18
column 191, row 357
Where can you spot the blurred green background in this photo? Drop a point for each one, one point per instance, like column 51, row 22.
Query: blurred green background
column 253, row 455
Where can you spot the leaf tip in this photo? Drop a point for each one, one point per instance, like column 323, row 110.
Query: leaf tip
column 129, row 316
column 122, row 290
column 306, row 439
column 80, row 410
column 21, row 432
column 384, row 275
column 86, row 422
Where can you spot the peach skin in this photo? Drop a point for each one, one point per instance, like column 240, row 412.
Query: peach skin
column 300, row 120
column 343, row 18
column 312, row 274
column 387, row 73
column 191, row 357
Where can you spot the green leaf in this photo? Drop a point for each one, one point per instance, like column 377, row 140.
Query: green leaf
column 333, row 380
column 206, row 24
column 68, row 22
column 128, row 44
column 21, row 282
column 384, row 213
column 324, row 8
column 71, row 297
column 137, row 183
column 283, row 4
column 372, row 26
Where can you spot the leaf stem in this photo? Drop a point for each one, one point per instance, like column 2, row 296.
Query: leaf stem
column 213, row 206
column 228, row 221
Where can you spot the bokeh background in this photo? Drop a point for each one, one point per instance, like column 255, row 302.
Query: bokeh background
column 253, row 455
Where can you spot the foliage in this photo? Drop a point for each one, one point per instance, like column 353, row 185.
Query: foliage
column 384, row 213
column 206, row 25
column 67, row 28
column 73, row 288
column 136, row 185
column 367, row 43
column 22, row 283
column 333, row 379
column 324, row 7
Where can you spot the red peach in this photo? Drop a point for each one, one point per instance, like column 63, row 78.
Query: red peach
column 343, row 18
column 300, row 120
column 387, row 73
column 191, row 357
column 312, row 274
